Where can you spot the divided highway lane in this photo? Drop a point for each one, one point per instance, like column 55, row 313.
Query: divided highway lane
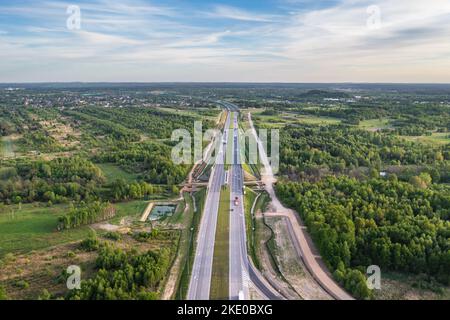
column 242, row 272
column 239, row 277
column 200, row 283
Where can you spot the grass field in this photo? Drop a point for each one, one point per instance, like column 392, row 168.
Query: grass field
column 283, row 119
column 437, row 138
column 129, row 209
column 219, row 277
column 316, row 120
column 6, row 147
column 33, row 228
column 375, row 124
column 113, row 172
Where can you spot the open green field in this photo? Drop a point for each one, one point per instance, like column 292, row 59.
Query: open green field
column 375, row 124
column 219, row 277
column 307, row 119
column 6, row 147
column 113, row 172
column 272, row 122
column 132, row 209
column 33, row 228
column 437, row 138
column 286, row 118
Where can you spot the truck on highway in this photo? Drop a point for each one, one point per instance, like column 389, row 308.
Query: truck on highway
column 236, row 201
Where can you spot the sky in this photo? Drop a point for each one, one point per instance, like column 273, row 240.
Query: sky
column 225, row 41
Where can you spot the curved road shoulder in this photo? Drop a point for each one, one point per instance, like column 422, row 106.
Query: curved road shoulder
column 317, row 270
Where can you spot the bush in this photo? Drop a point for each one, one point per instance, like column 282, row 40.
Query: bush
column 90, row 244
column 22, row 284
column 125, row 275
column 45, row 295
column 144, row 236
column 3, row 295
column 113, row 236
column 70, row 254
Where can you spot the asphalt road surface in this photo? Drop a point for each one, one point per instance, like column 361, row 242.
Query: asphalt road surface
column 239, row 277
column 200, row 283
column 242, row 272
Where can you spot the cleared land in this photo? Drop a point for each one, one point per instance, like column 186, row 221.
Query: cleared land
column 34, row 227
column 436, row 138
column 375, row 124
column 219, row 277
column 312, row 119
column 7, row 147
column 282, row 119
column 395, row 286
column 290, row 266
column 131, row 210
column 25, row 276
column 113, row 172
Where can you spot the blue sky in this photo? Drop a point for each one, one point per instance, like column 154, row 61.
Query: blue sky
column 197, row 40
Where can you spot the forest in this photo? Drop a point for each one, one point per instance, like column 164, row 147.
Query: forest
column 125, row 275
column 151, row 160
column 55, row 181
column 375, row 222
column 308, row 149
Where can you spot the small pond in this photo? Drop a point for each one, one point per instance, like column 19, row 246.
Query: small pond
column 162, row 211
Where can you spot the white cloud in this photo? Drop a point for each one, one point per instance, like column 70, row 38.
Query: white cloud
column 228, row 12
column 135, row 41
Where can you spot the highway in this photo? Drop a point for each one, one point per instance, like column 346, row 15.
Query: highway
column 242, row 272
column 200, row 282
column 239, row 264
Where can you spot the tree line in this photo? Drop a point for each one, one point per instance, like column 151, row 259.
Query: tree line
column 86, row 214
